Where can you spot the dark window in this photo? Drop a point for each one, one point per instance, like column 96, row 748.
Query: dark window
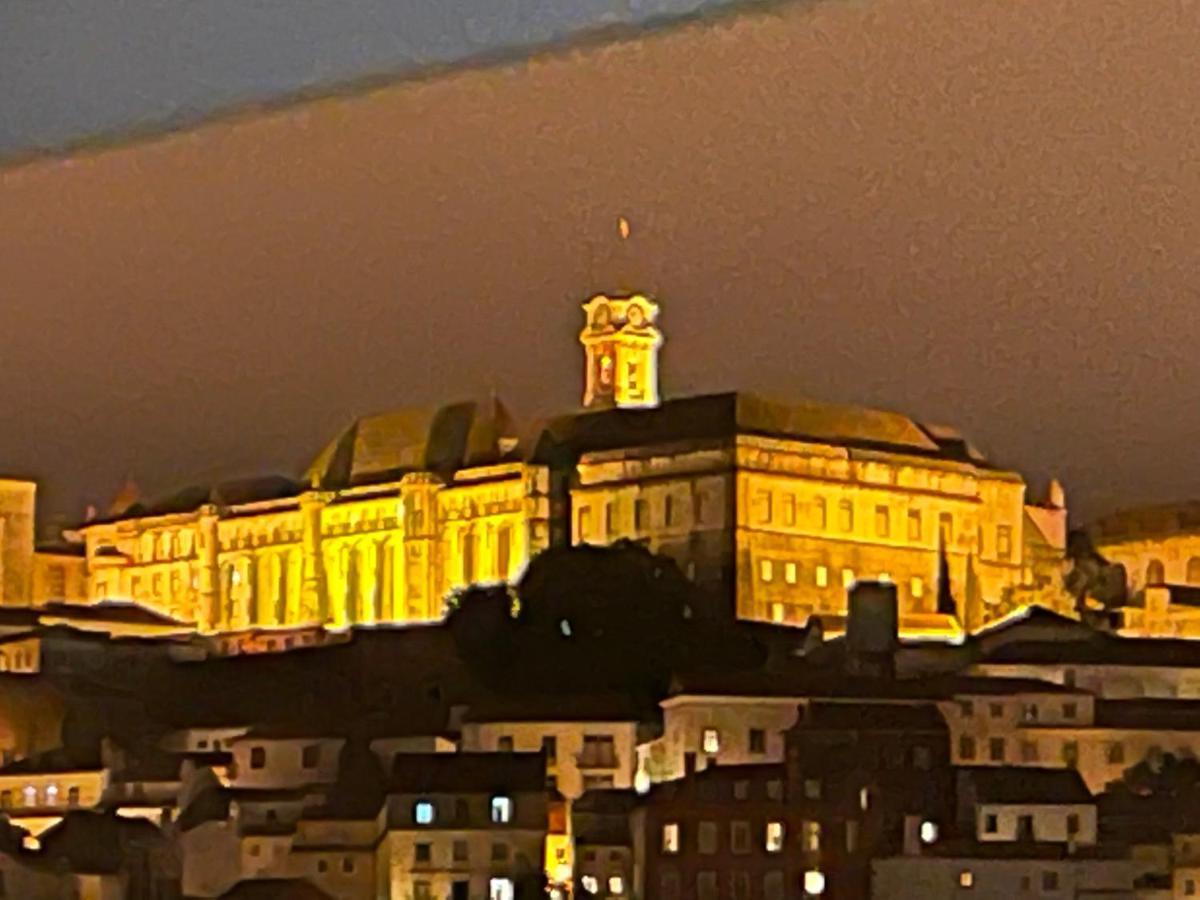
column 258, row 757
column 739, row 837
column 1049, row 881
column 423, row 853
column 499, row 851
column 706, row 886
column 739, row 885
column 505, row 744
column 310, row 756
column 966, row 746
column 550, row 749
column 462, row 811
column 1072, row 824
column 996, row 749
column 996, row 710
column 460, row 851
column 758, row 740
column 812, row 789
column 322, row 865
column 706, row 838
column 1069, row 710
column 741, row 790
column 1024, row 828
column 348, row 864
column 669, row 885
column 967, row 708
column 991, row 823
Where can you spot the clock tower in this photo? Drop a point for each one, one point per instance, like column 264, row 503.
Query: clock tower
column 621, row 343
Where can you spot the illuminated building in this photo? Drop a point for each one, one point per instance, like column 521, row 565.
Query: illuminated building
column 775, row 508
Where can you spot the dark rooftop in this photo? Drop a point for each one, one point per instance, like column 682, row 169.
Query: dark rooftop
column 908, row 717
column 1025, row 785
column 1100, row 650
column 450, row 773
column 275, row 889
column 1148, row 714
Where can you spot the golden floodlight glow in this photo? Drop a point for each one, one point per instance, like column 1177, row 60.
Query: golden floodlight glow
column 623, row 228
column 814, row 883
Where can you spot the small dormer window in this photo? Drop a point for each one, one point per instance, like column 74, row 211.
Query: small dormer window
column 423, row 813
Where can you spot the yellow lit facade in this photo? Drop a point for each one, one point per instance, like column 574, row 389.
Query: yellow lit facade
column 778, row 508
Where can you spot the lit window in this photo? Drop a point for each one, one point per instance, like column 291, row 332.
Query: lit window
column 864, row 798
column 885, row 578
column 502, row 808
column 812, row 836
column 917, row 588
column 51, row 794
column 774, row 837
column 1004, row 542
column 616, row 885
column 712, row 741
column 766, row 570
column 30, row 795
column 500, row 889
column 590, row 884
column 789, row 573
column 929, row 832
column 966, row 878
column 258, row 757
column 777, row 612
column 814, row 883
column 847, row 578
column 423, row 813
column 822, row 575
column 670, row 838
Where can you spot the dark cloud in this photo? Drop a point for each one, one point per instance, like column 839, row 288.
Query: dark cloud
column 984, row 214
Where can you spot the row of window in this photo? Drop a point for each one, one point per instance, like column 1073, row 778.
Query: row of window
column 459, row 852
column 1050, row 880
column 769, row 570
column 310, row 756
column 738, row 885
column 500, row 811
column 710, row 741
column 49, row 797
column 997, row 751
column 599, row 750
column 614, row 883
column 740, row 837
column 991, row 824
column 1029, row 711
column 498, row 889
column 672, row 516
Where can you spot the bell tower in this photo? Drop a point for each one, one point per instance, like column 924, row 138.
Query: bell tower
column 621, row 343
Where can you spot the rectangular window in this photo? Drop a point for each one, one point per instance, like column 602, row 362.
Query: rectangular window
column 1070, row 754
column 758, row 740
column 423, row 813
column 812, row 836
column 916, row 587
column 501, row 889
column 711, row 741
column 996, row 749
column 310, row 756
column 777, row 612
column 670, row 838
column 774, row 839
column 670, row 513
column 774, row 789
column 739, row 837
column 641, row 515
column 706, row 886
column 550, row 749
column 669, row 885
column 914, row 525
column 1069, row 710
column 700, row 507
column 503, row 551
column 422, row 853
column 789, row 573
column 610, row 520
column 946, row 529
column 1072, row 824
column 847, row 578
column 821, row 513
column 883, row 522
column 706, row 838
column 762, row 507
column 991, row 823
column 966, row 746
column 773, row 886
column 258, row 757
column 502, row 810
column 846, row 515
column 460, row 851
column 599, row 752
column 504, row 743
column 584, row 530
column 766, row 569
column 789, row 509
column 422, row 891
column 1004, row 542
column 822, row 576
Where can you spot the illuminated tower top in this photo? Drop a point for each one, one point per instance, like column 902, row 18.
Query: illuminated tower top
column 621, row 343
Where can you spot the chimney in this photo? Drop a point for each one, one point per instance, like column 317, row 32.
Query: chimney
column 872, row 629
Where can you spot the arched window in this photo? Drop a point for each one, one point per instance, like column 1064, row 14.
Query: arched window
column 468, row 557
column 147, row 547
column 1193, row 570
column 1155, row 573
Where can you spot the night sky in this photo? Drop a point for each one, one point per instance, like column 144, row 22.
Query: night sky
column 986, row 214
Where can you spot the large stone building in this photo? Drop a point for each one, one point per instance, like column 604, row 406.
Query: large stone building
column 776, row 508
